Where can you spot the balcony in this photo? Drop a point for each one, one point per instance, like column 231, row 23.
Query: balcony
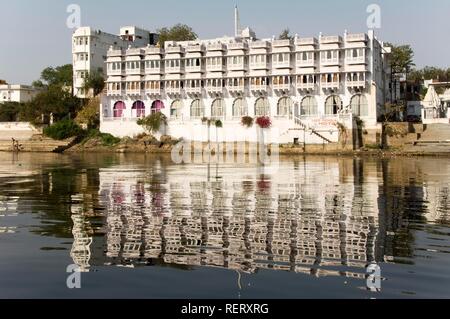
column 195, row 48
column 306, row 86
column 214, row 90
column 173, row 92
column 215, row 47
column 330, row 62
column 154, row 70
column 134, row 92
column 259, row 66
column 306, row 63
column 115, row 53
column 330, row 39
column 140, row 71
column 259, row 88
column 356, row 60
column 153, row 93
column 330, row 85
column 236, row 89
column 281, row 88
column 259, row 45
column 237, row 46
column 356, row 84
column 194, row 69
column 176, row 69
column 237, row 67
column 119, row 72
column 215, row 68
column 114, row 92
column 307, row 41
column 174, row 49
column 154, row 50
column 282, row 65
column 133, row 52
column 281, row 43
column 194, row 91
column 357, row 37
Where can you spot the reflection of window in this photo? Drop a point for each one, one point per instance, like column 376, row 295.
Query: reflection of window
column 333, row 105
column 239, row 108
column 262, row 107
column 196, row 109
column 359, row 105
column 218, row 108
column 284, row 106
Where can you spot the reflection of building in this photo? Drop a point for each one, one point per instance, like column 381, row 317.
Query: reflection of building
column 300, row 223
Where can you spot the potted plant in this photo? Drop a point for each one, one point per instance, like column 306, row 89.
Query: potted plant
column 264, row 122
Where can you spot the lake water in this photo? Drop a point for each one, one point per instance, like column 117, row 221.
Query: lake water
column 143, row 227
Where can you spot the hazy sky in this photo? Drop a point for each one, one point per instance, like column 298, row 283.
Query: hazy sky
column 34, row 32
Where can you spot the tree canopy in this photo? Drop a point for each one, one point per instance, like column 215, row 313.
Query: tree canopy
column 95, row 82
column 178, row 32
column 61, row 76
column 285, row 35
column 430, row 73
column 402, row 59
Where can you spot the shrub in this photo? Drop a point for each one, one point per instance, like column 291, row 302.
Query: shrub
column 63, row 129
column 264, row 122
column 106, row 139
column 153, row 123
column 247, row 121
column 90, row 115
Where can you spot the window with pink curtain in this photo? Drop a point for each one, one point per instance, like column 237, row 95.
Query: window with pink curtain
column 118, row 109
column 139, row 108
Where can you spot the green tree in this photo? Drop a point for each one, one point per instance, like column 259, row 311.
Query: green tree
column 90, row 114
column 95, row 82
column 153, row 123
column 285, row 35
column 179, row 32
column 9, row 111
column 61, row 76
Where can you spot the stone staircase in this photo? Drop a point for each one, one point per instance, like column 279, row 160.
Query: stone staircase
column 37, row 143
column 435, row 138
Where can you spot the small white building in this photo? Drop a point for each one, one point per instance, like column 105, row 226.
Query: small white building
column 89, row 48
column 436, row 107
column 17, row 93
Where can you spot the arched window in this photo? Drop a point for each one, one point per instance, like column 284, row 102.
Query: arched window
column 308, row 106
column 176, row 109
column 197, row 110
column 218, row 108
column 157, row 106
column 333, row 105
column 359, row 105
column 284, row 106
column 239, row 108
column 262, row 107
column 138, row 109
column 118, row 109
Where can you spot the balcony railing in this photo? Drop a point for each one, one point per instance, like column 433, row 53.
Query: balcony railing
column 282, row 87
column 335, row 61
column 154, row 50
column 176, row 69
column 214, row 89
column 115, row 92
column 259, row 87
column 357, row 37
column 159, row 70
column 306, row 63
column 306, row 86
column 236, row 88
column 330, row 39
column 215, row 47
column 114, row 53
column 356, row 84
column 134, row 92
column 194, row 69
column 237, row 46
column 330, row 85
column 284, row 64
column 134, row 52
column 195, row 48
column 307, row 41
column 257, row 66
column 355, row 60
column 140, row 71
column 259, row 45
column 115, row 72
column 153, row 92
column 237, row 67
column 281, row 43
column 173, row 91
column 193, row 90
column 175, row 49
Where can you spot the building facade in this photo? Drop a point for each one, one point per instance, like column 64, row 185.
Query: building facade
column 303, row 85
column 89, row 48
column 17, row 93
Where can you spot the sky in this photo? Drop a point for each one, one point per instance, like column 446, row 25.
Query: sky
column 35, row 34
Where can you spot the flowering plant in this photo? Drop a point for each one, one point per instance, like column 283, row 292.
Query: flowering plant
column 264, row 122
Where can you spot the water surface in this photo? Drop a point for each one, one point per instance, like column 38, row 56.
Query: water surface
column 143, row 227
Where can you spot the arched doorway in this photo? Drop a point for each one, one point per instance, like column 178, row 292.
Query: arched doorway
column 197, row 110
column 284, row 106
column 118, row 109
column 176, row 109
column 157, row 106
column 308, row 106
column 239, row 108
column 138, row 109
column 333, row 105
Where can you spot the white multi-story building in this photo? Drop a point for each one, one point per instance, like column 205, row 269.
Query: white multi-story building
column 303, row 84
column 89, row 48
column 17, row 93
